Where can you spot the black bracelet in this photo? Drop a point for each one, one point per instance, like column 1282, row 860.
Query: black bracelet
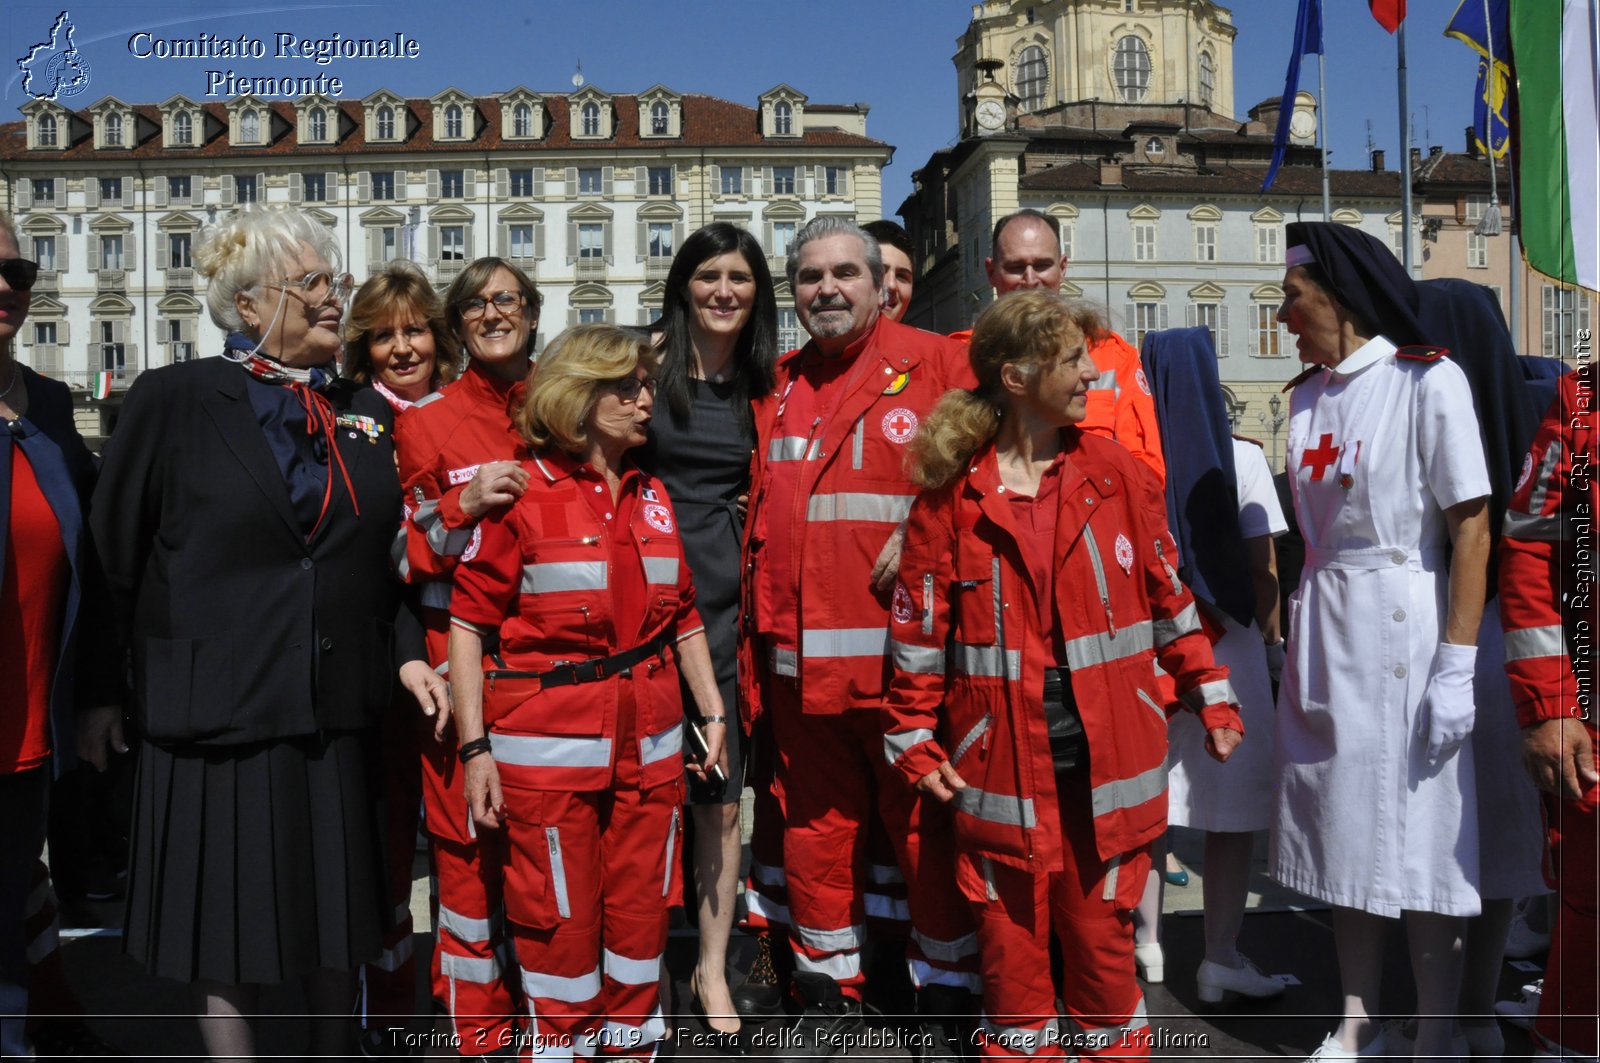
column 473, row 748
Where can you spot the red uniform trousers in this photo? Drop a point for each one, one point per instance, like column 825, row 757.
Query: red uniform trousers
column 766, row 889
column 1570, row 1005
column 1089, row 905
column 467, row 975
column 389, row 984
column 588, row 883
column 834, row 777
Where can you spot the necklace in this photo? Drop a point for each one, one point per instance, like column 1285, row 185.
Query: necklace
column 15, row 374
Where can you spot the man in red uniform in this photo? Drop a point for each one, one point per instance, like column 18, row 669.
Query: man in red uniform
column 1548, row 600
column 827, row 510
column 456, row 450
column 1025, row 252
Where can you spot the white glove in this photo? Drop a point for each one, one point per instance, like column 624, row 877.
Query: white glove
column 1277, row 653
column 1447, row 708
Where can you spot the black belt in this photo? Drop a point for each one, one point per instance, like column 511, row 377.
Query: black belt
column 1069, row 749
column 593, row 670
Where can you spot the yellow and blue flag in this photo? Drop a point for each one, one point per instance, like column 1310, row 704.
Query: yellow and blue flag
column 1485, row 27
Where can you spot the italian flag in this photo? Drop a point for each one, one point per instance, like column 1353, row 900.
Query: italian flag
column 102, row 385
column 1558, row 137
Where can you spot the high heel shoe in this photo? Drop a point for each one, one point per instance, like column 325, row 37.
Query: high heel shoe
column 726, row 1040
column 1179, row 878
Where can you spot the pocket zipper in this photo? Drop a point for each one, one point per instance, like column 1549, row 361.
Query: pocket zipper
column 558, row 872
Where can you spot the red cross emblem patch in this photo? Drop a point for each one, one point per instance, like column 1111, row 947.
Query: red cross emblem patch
column 899, row 425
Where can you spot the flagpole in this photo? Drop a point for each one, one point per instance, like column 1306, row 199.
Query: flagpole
column 1322, row 119
column 1405, row 149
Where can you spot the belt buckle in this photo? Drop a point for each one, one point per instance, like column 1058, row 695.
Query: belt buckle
column 626, row 673
column 597, row 669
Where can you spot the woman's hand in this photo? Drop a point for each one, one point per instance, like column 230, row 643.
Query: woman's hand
column 495, row 484
column 942, row 782
column 1560, row 757
column 1221, row 742
column 485, row 802
column 430, row 690
column 716, row 735
column 99, row 728
column 887, row 567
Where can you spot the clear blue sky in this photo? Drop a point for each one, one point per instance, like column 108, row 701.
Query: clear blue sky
column 895, row 56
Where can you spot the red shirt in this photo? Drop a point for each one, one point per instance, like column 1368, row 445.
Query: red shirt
column 1036, row 535
column 30, row 618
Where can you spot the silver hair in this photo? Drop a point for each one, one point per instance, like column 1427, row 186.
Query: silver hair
column 834, row 225
column 249, row 247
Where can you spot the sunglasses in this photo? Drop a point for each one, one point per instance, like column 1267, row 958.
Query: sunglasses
column 19, row 273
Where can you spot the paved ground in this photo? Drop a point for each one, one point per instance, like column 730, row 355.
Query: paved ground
column 149, row 1018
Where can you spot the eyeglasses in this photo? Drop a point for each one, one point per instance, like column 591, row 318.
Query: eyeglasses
column 318, row 288
column 628, row 387
column 19, row 273
column 507, row 303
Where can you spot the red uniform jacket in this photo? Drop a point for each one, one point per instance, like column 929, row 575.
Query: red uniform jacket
column 854, row 491
column 1551, row 514
column 543, row 577
column 969, row 655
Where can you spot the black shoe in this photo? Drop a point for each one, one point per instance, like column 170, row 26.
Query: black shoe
column 760, row 995
column 945, row 1022
column 828, row 1018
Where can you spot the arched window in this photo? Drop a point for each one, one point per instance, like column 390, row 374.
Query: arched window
column 522, row 120
column 452, row 121
column 1033, row 77
column 319, row 124
column 1208, row 79
column 1132, row 69
column 114, row 130
column 660, row 116
column 386, row 122
column 47, row 130
column 182, row 128
column 591, row 119
column 783, row 118
column 249, row 127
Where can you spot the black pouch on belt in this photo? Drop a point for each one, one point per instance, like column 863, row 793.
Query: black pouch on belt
column 1068, row 749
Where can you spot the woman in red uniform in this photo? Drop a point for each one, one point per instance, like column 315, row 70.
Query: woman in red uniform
column 1036, row 590
column 397, row 339
column 582, row 595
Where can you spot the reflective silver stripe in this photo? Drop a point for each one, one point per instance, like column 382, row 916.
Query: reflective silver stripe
column 845, row 642
column 1087, row 651
column 397, row 554
column 436, row 595
column 783, row 662
column 629, row 971
column 771, row 911
column 1150, row 701
column 663, row 744
column 1096, row 1037
column 1209, row 694
column 671, row 846
column 552, row 576
column 896, row 745
column 1172, row 574
column 1129, row 793
column 979, row 729
column 848, row 937
column 1113, row 872
column 999, row 606
column 531, row 751
column 996, row 808
column 996, row 661
column 927, row 604
column 883, row 874
column 578, row 990
column 480, row 970
column 558, row 873
column 1106, row 382
column 1551, row 529
column 1024, row 1040
column 947, row 951
column 464, row 927
column 1530, row 642
column 445, row 542
column 883, row 509
column 924, row 973
column 1099, row 572
column 638, row 1037
column 661, row 570
column 840, row 966
column 856, row 443
column 1185, row 623
column 879, row 906
column 921, row 660
column 426, row 399
column 1547, row 471
column 392, row 960
column 786, row 448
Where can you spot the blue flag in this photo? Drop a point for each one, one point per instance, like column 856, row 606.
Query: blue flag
column 1307, row 38
column 1485, row 27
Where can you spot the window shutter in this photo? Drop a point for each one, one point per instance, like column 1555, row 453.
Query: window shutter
column 433, row 243
column 130, row 356
column 745, row 173
column 538, row 180
column 572, row 241
column 641, row 180
column 1252, row 341
column 197, row 189
column 1189, row 315
column 1131, row 313
column 261, row 188
column 502, row 183
column 538, row 240
column 374, row 246
column 502, row 240
column 330, row 186
column 363, row 186
column 163, row 252
column 297, row 188
column 607, row 178
column 130, row 252
column 1222, row 330
column 400, row 191
column 767, row 185
column 572, row 180
column 91, row 191
column 466, row 243
column 229, row 185
column 677, row 236
column 469, row 184
column 63, row 242
column 118, row 331
column 605, row 238
column 1162, row 315
column 644, row 239
column 572, row 316
column 433, row 186
column 63, row 332
column 24, row 194
column 158, row 191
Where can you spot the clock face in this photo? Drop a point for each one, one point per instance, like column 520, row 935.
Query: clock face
column 1302, row 124
column 991, row 115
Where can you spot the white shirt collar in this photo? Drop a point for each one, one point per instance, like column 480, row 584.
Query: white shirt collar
column 1374, row 350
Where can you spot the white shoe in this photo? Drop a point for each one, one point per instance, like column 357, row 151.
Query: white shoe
column 1218, row 983
column 1150, row 962
column 1524, row 942
column 1330, row 1051
column 1522, row 1011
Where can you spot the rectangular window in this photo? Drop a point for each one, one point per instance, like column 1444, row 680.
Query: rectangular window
column 591, row 180
column 1565, row 313
column 732, row 181
column 179, row 188
column 1499, row 295
column 179, row 255
column 245, row 188
column 316, row 187
column 452, row 243
column 111, row 191
column 452, row 184
column 1205, row 243
column 592, row 315
column 1477, row 251
column 660, row 180
column 1209, row 316
column 44, row 191
column 113, row 356
column 1146, row 318
column 660, row 239
column 1144, row 241
column 1066, row 241
column 522, row 182
column 1477, row 203
column 383, row 185
column 111, row 252
column 788, row 329
column 44, row 252
column 182, row 350
column 44, row 333
column 1268, row 336
column 521, row 241
column 783, row 180
column 388, row 243
column 782, row 237
column 591, row 239
column 1267, row 245
column 833, row 180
